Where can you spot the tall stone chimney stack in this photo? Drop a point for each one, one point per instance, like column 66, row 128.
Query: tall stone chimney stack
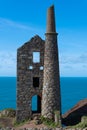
column 51, row 101
column 51, row 20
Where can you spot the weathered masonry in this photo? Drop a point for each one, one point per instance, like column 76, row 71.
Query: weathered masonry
column 51, row 83
column 38, row 74
column 29, row 76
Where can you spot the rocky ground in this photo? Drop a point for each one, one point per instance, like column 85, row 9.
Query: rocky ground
column 74, row 115
column 7, row 123
column 77, row 115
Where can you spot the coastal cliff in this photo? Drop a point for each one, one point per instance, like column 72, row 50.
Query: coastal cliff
column 74, row 115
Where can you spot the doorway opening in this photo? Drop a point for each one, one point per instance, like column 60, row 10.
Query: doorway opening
column 36, row 104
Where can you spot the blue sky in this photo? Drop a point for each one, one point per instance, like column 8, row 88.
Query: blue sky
column 22, row 19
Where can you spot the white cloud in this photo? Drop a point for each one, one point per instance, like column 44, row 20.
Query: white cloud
column 8, row 22
column 7, row 63
column 13, row 34
column 73, row 59
column 73, row 65
column 69, row 65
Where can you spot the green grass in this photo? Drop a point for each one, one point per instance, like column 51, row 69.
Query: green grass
column 49, row 122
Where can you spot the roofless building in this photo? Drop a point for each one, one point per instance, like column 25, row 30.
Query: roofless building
column 38, row 74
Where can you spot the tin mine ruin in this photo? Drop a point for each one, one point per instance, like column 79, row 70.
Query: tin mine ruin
column 38, row 74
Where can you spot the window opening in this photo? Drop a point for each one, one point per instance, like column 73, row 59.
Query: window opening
column 35, row 82
column 41, row 67
column 30, row 67
column 36, row 57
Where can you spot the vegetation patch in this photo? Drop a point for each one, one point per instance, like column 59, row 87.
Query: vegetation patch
column 9, row 112
column 49, row 122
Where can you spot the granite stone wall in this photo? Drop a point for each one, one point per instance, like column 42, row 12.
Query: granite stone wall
column 51, row 85
column 51, row 101
column 47, row 70
column 26, row 70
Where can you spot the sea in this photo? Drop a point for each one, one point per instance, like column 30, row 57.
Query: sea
column 73, row 89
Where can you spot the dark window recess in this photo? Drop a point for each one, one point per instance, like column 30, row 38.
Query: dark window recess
column 35, row 82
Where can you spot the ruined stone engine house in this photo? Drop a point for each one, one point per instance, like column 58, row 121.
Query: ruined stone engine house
column 38, row 74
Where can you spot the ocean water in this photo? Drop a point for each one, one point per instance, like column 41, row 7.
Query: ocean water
column 73, row 89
